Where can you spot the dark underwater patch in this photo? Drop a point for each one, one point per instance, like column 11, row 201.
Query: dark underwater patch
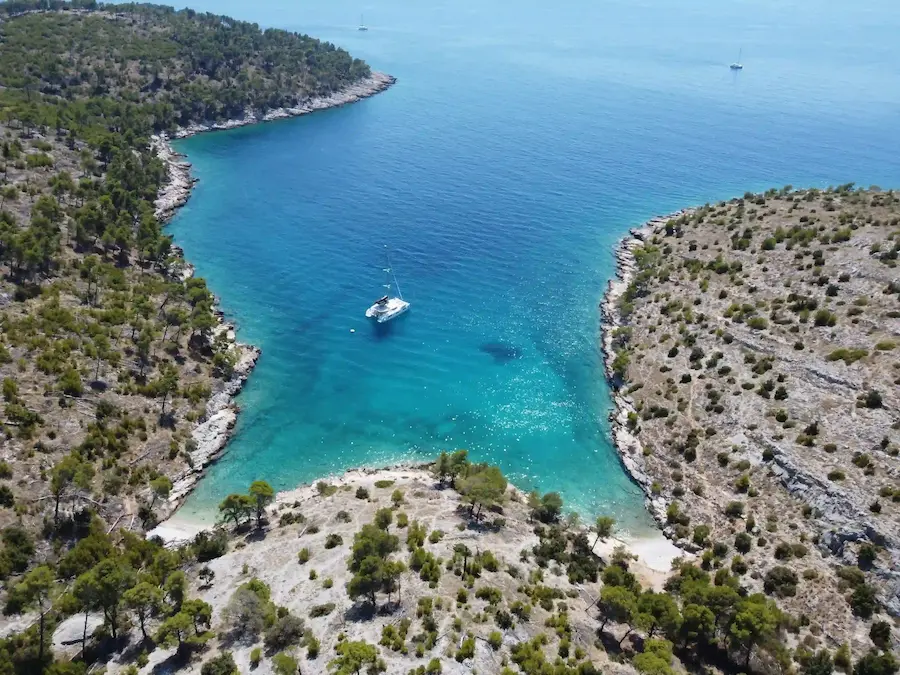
column 501, row 352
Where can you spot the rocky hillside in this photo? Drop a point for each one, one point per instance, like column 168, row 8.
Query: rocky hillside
column 756, row 353
column 116, row 370
column 441, row 570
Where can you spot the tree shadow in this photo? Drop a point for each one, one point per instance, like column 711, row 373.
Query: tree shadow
column 179, row 659
column 709, row 655
column 200, row 346
column 480, row 523
column 133, row 649
column 235, row 637
column 612, row 645
column 103, row 649
column 257, row 534
column 359, row 612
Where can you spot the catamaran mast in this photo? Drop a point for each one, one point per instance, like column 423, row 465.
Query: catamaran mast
column 390, row 271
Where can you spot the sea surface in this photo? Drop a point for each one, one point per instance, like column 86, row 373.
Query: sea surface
column 521, row 141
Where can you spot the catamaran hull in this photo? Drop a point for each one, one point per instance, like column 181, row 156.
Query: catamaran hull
column 394, row 308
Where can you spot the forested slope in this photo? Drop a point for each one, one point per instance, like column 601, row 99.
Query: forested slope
column 109, row 352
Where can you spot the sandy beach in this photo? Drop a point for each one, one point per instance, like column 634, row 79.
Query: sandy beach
column 654, row 551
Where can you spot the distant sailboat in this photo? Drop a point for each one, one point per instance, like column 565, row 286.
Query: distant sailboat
column 362, row 24
column 737, row 65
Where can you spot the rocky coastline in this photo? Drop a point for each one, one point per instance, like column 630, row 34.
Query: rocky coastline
column 628, row 448
column 756, row 408
column 213, row 431
column 374, row 84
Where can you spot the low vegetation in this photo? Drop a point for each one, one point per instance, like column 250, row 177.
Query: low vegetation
column 761, row 385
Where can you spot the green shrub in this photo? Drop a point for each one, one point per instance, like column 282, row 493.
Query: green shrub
column 222, row 664
column 783, row 551
column 303, row 555
column 324, row 489
column 864, row 601
column 312, row 647
column 285, row 631
column 701, row 535
column 466, row 649
column 780, row 581
column 848, row 356
column 824, row 318
column 757, row 323
column 491, row 595
column 284, row 664
column 70, row 383
column 872, row 399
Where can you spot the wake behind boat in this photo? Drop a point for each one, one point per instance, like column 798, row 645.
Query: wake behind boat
column 388, row 307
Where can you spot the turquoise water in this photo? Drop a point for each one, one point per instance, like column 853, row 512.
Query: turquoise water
column 518, row 146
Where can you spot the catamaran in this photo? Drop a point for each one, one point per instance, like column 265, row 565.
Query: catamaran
column 737, row 65
column 362, row 24
column 388, row 307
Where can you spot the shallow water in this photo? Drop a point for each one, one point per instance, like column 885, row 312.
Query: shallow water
column 518, row 146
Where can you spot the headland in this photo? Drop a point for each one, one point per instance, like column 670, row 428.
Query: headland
column 750, row 349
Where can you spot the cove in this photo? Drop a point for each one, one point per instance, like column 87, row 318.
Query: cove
column 517, row 147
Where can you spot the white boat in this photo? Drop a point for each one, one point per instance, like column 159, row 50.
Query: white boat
column 362, row 25
column 737, row 65
column 388, row 307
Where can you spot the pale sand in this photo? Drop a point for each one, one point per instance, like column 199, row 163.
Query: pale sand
column 655, row 553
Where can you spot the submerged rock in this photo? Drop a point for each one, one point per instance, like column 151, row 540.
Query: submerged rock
column 501, row 352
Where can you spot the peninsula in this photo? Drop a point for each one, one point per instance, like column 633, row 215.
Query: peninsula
column 752, row 346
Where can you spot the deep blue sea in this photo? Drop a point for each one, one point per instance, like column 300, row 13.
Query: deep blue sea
column 520, row 143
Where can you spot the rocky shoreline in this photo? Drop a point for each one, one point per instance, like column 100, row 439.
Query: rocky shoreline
column 757, row 405
column 213, row 431
column 178, row 188
column 628, row 448
column 374, row 84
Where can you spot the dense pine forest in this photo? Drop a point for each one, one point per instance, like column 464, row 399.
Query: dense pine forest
column 74, row 69
column 109, row 349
